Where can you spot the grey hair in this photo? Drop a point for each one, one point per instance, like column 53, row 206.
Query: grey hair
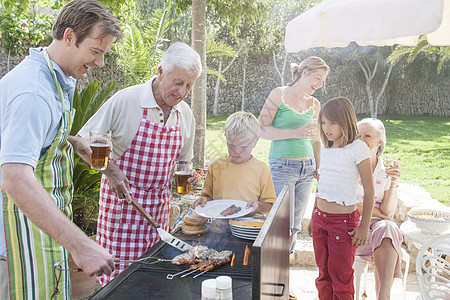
column 182, row 56
column 379, row 129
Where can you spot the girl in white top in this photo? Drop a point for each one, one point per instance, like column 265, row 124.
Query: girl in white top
column 335, row 223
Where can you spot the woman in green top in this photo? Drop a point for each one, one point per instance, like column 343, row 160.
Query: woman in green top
column 287, row 119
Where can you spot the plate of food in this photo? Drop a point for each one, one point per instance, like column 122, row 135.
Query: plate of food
column 223, row 209
column 254, row 222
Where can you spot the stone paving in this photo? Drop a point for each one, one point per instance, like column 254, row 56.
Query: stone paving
column 302, row 284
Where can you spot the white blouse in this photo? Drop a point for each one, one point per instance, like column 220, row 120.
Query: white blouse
column 339, row 175
column 122, row 114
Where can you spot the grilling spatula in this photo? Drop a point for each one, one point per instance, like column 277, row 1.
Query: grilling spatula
column 165, row 236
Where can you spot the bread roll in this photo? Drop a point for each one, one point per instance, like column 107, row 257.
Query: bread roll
column 194, row 219
column 193, row 230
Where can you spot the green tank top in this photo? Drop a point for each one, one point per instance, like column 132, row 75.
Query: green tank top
column 287, row 118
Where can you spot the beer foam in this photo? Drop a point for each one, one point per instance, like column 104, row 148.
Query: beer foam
column 99, row 145
column 183, row 173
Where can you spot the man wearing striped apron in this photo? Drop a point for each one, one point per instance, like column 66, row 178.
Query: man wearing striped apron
column 36, row 157
column 151, row 127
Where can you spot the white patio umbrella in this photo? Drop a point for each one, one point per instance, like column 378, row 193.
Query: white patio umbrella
column 336, row 23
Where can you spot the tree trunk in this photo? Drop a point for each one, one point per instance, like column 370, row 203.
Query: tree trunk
column 383, row 87
column 369, row 74
column 7, row 65
column 216, row 90
column 198, row 102
column 243, row 85
column 280, row 73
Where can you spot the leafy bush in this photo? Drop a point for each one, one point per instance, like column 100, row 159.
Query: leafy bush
column 86, row 181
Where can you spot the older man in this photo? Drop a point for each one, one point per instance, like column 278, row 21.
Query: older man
column 151, row 127
column 36, row 156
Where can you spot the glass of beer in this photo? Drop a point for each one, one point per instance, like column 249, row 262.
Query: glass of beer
column 100, row 143
column 183, row 170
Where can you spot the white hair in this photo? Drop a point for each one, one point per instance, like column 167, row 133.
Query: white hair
column 379, row 129
column 182, row 56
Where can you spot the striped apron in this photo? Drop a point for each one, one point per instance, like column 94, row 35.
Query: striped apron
column 147, row 164
column 32, row 253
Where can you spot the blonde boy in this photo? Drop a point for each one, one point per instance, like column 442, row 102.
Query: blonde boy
column 239, row 175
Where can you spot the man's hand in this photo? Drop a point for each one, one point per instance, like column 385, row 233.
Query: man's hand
column 81, row 146
column 117, row 181
column 93, row 259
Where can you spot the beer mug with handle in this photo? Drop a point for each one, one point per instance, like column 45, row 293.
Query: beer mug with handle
column 100, row 143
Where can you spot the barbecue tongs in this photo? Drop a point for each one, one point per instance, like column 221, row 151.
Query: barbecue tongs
column 165, row 236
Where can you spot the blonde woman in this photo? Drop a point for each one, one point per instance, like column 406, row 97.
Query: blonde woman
column 287, row 119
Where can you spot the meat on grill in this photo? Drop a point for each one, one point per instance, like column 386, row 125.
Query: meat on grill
column 230, row 210
column 198, row 254
column 210, row 264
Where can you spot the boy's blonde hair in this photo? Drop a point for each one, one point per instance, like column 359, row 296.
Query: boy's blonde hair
column 339, row 110
column 242, row 124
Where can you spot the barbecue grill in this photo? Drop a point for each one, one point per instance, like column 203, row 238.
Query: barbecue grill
column 266, row 275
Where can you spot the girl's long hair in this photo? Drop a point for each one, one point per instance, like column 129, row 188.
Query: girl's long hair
column 340, row 110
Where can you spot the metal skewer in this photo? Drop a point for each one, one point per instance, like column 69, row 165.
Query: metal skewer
column 143, row 260
column 189, row 273
column 171, row 276
column 200, row 274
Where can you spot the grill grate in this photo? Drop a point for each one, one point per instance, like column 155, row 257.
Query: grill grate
column 238, row 270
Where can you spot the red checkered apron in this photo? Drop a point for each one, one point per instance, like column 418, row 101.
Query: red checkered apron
column 148, row 164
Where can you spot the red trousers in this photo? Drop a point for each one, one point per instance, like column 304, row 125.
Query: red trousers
column 334, row 253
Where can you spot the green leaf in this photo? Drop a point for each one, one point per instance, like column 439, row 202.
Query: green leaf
column 214, row 48
column 86, row 181
column 211, row 71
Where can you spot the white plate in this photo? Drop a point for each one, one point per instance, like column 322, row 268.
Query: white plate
column 244, row 236
column 245, row 229
column 212, row 209
column 245, row 233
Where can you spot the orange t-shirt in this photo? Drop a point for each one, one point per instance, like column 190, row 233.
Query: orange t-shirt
column 248, row 181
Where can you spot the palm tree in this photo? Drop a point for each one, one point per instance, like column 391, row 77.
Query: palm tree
column 422, row 47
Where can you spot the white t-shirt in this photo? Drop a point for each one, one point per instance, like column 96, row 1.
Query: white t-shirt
column 380, row 184
column 339, row 175
column 123, row 112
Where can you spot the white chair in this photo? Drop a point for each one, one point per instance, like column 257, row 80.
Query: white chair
column 361, row 265
column 433, row 268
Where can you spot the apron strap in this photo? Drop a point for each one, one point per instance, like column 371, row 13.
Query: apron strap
column 58, row 86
